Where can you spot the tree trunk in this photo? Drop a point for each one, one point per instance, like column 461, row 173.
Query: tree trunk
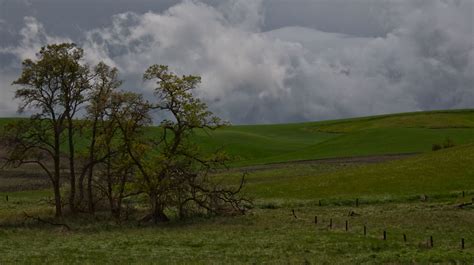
column 72, row 170
column 57, row 173
column 90, row 171
column 158, row 214
column 57, row 199
column 90, row 195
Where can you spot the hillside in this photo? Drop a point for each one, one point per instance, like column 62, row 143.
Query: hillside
column 437, row 173
column 376, row 135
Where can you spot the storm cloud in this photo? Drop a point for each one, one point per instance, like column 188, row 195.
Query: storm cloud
column 419, row 57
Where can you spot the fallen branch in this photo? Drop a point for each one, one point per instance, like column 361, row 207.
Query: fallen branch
column 462, row 205
column 39, row 220
column 352, row 213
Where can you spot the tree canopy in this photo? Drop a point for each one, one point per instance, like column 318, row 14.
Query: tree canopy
column 117, row 160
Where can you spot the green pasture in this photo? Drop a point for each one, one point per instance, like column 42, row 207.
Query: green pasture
column 416, row 195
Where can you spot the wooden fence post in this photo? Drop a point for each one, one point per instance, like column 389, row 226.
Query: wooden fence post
column 294, row 214
column 384, row 235
column 431, row 241
column 347, row 226
column 404, row 238
column 462, row 243
column 316, row 219
column 365, row 230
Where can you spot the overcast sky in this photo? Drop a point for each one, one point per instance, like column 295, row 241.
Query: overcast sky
column 265, row 61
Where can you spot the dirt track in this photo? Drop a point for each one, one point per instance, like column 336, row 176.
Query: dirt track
column 29, row 178
column 338, row 160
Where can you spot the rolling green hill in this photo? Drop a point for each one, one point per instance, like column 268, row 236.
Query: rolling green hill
column 375, row 135
column 437, row 173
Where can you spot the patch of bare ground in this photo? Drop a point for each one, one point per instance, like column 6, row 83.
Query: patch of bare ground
column 337, row 161
column 21, row 179
column 30, row 177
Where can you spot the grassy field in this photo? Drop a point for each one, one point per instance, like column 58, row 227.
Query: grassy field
column 417, row 195
column 376, row 135
column 448, row 170
column 389, row 134
column 270, row 236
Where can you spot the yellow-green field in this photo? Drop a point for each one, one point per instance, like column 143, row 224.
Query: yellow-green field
column 413, row 191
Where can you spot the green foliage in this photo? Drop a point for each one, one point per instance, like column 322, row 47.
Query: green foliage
column 436, row 147
column 115, row 154
column 448, row 143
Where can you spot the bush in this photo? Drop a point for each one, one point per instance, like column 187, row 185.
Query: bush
column 436, row 147
column 448, row 143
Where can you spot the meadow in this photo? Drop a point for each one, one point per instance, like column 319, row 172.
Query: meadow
column 379, row 172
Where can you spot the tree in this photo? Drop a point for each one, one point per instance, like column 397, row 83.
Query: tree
column 54, row 85
column 128, row 119
column 34, row 141
column 119, row 158
column 99, row 125
column 175, row 174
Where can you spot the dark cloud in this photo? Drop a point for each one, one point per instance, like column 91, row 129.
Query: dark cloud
column 418, row 56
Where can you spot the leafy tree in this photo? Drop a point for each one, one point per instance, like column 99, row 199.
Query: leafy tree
column 54, row 85
column 120, row 159
column 175, row 175
column 99, row 125
column 35, row 141
column 123, row 140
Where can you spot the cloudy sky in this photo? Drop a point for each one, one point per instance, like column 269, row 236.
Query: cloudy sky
column 265, row 61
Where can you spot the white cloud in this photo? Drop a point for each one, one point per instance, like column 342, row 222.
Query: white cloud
column 8, row 106
column 291, row 74
column 33, row 37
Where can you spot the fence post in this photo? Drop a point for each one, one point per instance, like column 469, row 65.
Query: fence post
column 347, row 226
column 330, row 223
column 462, row 243
column 365, row 230
column 431, row 241
column 384, row 235
column 404, row 238
column 316, row 219
column 6, row 197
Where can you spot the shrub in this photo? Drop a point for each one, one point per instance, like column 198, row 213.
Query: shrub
column 436, row 147
column 448, row 143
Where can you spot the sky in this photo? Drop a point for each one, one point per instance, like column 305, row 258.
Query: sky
column 264, row 61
